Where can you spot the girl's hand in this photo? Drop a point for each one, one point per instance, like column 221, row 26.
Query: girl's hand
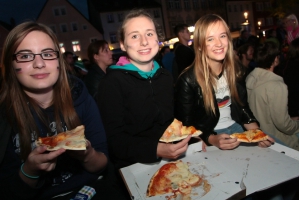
column 172, row 151
column 223, row 141
column 39, row 161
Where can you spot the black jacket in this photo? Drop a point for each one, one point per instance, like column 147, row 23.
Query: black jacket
column 189, row 106
column 135, row 111
column 93, row 78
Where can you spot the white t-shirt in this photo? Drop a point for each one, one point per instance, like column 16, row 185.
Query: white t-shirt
column 223, row 98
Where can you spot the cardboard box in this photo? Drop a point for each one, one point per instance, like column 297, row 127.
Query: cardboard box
column 233, row 174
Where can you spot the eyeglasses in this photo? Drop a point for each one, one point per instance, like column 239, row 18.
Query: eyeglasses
column 27, row 57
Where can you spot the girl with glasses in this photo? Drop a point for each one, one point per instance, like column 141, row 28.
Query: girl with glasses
column 39, row 100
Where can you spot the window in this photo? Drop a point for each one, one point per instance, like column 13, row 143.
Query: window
column 241, row 8
column 63, row 28
column 156, row 14
column 229, row 8
column 195, row 4
column 237, row 24
column 56, row 12
column 110, row 18
column 61, row 47
column 177, row 4
column 120, row 17
column 187, row 4
column 247, row 7
column 76, row 46
column 53, row 28
column 74, row 26
column 259, row 7
column 268, row 5
column 113, row 38
column 62, row 11
column 269, row 21
column 84, row 27
column 203, row 4
column 235, row 8
column 232, row 26
column 171, row 4
column 93, row 40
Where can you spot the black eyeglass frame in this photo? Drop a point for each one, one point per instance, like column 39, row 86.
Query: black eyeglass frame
column 34, row 54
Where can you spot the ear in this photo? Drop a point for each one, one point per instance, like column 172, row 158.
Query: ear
column 122, row 46
column 95, row 56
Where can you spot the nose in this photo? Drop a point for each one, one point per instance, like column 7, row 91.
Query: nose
column 143, row 41
column 38, row 62
column 218, row 42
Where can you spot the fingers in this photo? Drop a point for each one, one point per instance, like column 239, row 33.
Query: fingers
column 271, row 139
column 51, row 156
column 183, row 142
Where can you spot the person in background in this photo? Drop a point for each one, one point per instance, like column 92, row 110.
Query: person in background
column 291, row 78
column 207, row 94
column 167, row 59
column 268, row 98
column 38, row 99
column 291, row 26
column 245, row 56
column 184, row 54
column 136, row 98
column 242, row 39
column 100, row 57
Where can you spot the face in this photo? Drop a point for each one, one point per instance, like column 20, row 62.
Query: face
column 289, row 23
column 104, row 57
column 70, row 59
column 141, row 40
column 249, row 53
column 216, row 42
column 37, row 76
column 185, row 34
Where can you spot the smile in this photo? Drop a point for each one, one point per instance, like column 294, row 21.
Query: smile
column 144, row 51
column 40, row 76
column 218, row 51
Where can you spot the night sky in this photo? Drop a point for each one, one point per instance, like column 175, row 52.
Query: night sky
column 22, row 10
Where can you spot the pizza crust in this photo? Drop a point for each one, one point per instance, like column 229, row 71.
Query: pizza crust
column 70, row 140
column 176, row 131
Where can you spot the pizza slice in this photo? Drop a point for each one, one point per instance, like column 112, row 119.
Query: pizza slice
column 71, row 140
column 176, row 131
column 250, row 136
column 173, row 177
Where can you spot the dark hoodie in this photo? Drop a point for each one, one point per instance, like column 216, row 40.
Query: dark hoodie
column 69, row 173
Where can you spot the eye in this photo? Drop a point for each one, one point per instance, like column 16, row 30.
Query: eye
column 210, row 39
column 24, row 56
column 134, row 36
column 49, row 54
column 223, row 36
column 150, row 34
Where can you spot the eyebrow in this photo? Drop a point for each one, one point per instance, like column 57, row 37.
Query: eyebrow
column 219, row 34
column 28, row 50
column 147, row 30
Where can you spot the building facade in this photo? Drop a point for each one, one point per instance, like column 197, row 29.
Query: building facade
column 73, row 30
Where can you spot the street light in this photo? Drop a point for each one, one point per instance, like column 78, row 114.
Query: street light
column 259, row 24
column 246, row 15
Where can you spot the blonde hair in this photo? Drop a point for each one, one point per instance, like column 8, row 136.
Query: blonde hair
column 203, row 73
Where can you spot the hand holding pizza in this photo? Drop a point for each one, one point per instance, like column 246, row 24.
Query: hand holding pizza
column 82, row 155
column 223, row 141
column 172, row 151
column 39, row 161
column 266, row 143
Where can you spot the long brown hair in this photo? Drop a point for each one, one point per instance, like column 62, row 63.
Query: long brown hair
column 204, row 75
column 18, row 104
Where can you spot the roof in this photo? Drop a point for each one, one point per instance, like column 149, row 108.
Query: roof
column 116, row 5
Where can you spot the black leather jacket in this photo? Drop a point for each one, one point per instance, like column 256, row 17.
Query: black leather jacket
column 189, row 106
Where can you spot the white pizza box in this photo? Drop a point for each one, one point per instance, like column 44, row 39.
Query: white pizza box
column 224, row 183
column 231, row 173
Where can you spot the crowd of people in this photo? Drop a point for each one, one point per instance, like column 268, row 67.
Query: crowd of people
column 216, row 85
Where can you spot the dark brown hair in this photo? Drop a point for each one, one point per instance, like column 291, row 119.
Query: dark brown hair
column 94, row 48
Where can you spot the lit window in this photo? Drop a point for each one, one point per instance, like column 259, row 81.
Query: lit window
column 61, row 46
column 76, row 46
